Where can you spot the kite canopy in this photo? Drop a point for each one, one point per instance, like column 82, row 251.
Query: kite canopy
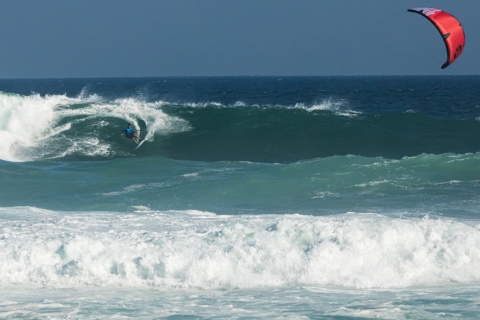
column 450, row 29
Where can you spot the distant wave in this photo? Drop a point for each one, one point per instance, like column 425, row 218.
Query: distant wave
column 337, row 106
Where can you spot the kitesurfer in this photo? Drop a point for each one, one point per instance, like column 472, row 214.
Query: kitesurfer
column 131, row 133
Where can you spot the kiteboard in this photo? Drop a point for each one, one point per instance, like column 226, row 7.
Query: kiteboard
column 139, row 144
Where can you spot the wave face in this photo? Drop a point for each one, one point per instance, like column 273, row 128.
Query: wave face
column 274, row 120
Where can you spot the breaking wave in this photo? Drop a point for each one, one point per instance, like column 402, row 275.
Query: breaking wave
column 192, row 249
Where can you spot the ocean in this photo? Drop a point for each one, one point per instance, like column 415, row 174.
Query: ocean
column 252, row 197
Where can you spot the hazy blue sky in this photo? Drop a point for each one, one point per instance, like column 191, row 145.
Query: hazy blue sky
column 125, row 38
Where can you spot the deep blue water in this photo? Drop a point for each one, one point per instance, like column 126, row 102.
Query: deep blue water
column 322, row 197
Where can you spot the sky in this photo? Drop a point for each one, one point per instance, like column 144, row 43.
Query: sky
column 162, row 38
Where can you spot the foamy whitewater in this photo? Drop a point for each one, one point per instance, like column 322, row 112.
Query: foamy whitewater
column 298, row 198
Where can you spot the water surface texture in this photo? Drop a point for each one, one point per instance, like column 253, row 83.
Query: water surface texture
column 253, row 197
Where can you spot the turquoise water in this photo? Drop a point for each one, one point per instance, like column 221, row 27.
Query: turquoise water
column 318, row 198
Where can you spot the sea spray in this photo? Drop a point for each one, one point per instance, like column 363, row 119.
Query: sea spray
column 193, row 249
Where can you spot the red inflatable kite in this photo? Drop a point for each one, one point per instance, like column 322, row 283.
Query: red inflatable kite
column 450, row 29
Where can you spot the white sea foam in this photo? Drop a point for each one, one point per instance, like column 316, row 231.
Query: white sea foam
column 133, row 110
column 190, row 175
column 195, row 249
column 337, row 106
column 24, row 120
column 371, row 183
column 328, row 104
column 31, row 125
column 325, row 194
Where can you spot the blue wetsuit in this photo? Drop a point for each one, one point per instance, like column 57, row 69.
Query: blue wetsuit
column 129, row 132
